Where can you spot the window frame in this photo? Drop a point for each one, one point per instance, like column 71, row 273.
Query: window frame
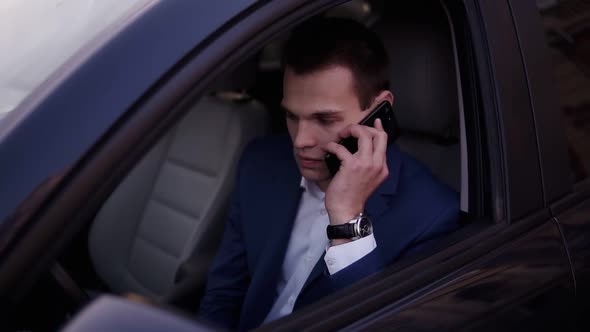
column 549, row 125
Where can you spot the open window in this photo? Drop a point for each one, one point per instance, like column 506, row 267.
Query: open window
column 162, row 223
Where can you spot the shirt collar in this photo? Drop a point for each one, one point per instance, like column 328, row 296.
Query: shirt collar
column 312, row 188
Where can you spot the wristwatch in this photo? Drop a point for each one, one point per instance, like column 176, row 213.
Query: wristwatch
column 355, row 229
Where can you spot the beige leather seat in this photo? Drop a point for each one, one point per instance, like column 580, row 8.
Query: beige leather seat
column 418, row 40
column 174, row 198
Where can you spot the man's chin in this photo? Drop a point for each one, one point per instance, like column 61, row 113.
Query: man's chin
column 314, row 175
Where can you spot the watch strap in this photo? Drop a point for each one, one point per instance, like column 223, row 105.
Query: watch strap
column 344, row 231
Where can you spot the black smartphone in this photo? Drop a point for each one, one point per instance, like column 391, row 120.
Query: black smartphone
column 383, row 111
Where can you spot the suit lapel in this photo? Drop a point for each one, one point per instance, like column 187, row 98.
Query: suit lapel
column 283, row 203
column 318, row 270
column 375, row 206
column 378, row 203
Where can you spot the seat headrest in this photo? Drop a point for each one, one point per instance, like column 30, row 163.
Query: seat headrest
column 418, row 40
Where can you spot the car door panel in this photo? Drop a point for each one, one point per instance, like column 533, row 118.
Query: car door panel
column 573, row 215
column 569, row 203
column 514, row 287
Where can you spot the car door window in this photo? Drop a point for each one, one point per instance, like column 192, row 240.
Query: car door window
column 162, row 191
column 169, row 202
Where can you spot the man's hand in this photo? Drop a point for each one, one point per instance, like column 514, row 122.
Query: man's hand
column 360, row 173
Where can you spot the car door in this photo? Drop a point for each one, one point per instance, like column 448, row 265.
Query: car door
column 555, row 45
column 507, row 268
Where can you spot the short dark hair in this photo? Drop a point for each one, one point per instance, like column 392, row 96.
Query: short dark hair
column 323, row 42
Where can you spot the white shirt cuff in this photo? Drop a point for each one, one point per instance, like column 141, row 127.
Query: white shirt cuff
column 341, row 256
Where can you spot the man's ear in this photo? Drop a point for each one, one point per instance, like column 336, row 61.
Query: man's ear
column 383, row 95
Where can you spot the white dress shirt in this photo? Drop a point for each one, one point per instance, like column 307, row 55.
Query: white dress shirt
column 307, row 244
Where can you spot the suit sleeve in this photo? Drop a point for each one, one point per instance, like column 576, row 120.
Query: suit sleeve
column 228, row 277
column 447, row 222
column 442, row 223
column 340, row 256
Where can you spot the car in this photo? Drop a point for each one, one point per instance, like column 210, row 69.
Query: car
column 121, row 126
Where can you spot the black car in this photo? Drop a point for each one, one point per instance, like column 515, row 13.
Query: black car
column 120, row 130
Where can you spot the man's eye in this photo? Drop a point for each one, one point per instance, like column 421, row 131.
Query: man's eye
column 290, row 116
column 326, row 122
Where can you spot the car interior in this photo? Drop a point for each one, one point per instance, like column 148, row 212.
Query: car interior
column 158, row 231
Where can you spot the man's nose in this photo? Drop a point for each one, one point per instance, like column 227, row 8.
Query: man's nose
column 305, row 137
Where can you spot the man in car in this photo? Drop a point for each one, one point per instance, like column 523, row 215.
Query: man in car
column 277, row 255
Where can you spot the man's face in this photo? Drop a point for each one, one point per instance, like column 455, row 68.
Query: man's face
column 318, row 105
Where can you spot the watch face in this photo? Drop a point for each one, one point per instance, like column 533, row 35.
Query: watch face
column 365, row 227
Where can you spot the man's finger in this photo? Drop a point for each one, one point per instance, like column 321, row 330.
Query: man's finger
column 346, row 132
column 378, row 124
column 365, row 144
column 338, row 150
column 357, row 129
column 380, row 147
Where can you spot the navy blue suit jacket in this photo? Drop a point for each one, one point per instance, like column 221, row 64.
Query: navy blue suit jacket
column 407, row 209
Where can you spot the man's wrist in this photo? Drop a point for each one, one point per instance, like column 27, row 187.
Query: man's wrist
column 337, row 242
column 343, row 217
column 358, row 227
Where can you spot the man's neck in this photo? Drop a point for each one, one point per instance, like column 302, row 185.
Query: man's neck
column 323, row 185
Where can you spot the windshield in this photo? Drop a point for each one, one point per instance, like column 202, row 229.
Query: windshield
column 38, row 36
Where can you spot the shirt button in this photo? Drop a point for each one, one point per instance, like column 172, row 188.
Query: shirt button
column 291, row 300
column 323, row 212
column 330, row 262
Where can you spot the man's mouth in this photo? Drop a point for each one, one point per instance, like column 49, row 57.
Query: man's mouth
column 307, row 162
